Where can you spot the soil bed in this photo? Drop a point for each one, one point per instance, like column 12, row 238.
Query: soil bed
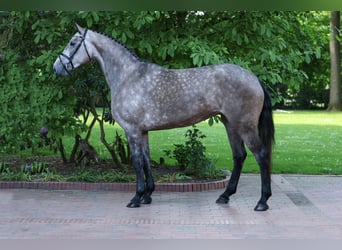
column 161, row 173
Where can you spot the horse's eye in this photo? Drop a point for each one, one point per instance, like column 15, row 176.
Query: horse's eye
column 72, row 43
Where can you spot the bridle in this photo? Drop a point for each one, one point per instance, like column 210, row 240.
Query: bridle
column 69, row 58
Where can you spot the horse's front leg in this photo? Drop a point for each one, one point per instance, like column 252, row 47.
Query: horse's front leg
column 135, row 143
column 147, row 170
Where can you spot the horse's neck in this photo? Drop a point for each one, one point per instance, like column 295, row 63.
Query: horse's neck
column 115, row 60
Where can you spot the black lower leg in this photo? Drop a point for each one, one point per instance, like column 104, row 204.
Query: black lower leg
column 140, row 187
column 233, row 181
column 146, row 199
column 136, row 200
column 262, row 203
column 266, row 192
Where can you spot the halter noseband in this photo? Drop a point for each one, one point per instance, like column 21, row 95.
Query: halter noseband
column 69, row 58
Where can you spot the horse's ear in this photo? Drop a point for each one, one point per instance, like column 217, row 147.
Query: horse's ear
column 79, row 28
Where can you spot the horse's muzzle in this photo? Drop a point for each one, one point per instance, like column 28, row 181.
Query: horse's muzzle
column 59, row 69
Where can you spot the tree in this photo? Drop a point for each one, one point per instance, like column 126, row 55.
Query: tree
column 31, row 96
column 279, row 47
column 335, row 75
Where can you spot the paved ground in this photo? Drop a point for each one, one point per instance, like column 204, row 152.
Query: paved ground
column 304, row 207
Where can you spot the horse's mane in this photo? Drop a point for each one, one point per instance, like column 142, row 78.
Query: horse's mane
column 119, row 43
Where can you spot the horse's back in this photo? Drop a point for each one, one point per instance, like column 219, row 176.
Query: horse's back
column 218, row 77
column 165, row 98
column 228, row 86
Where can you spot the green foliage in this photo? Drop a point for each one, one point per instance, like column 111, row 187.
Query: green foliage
column 37, row 171
column 15, row 176
column 287, row 50
column 35, row 168
column 174, row 178
column 94, row 175
column 3, row 167
column 122, row 149
column 190, row 156
column 116, row 176
column 31, row 95
column 84, row 175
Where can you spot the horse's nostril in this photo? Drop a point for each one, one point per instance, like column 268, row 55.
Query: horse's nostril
column 56, row 70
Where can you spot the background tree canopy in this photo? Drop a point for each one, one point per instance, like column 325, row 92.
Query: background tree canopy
column 286, row 50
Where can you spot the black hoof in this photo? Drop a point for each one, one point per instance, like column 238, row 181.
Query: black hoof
column 133, row 205
column 222, row 200
column 261, row 207
column 146, row 200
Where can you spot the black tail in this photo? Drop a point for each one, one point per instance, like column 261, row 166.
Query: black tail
column 266, row 125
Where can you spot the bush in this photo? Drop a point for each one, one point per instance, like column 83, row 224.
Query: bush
column 191, row 156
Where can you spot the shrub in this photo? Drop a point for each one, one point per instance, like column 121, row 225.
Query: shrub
column 191, row 156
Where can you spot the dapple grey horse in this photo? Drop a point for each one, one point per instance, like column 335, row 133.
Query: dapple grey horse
column 146, row 96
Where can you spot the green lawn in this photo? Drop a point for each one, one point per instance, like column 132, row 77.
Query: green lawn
column 307, row 142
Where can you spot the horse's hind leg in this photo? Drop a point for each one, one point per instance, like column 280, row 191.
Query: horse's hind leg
column 263, row 158
column 239, row 156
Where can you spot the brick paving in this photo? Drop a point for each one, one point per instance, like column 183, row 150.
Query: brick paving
column 302, row 207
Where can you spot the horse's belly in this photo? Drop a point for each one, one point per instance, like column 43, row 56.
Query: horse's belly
column 176, row 120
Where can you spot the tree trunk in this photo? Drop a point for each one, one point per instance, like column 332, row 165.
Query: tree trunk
column 335, row 74
column 61, row 149
column 110, row 149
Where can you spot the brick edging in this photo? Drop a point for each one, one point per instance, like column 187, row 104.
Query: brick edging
column 166, row 187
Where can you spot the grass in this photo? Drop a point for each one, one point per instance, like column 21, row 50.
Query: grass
column 307, row 142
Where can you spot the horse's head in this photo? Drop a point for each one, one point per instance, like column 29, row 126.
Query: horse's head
column 75, row 53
